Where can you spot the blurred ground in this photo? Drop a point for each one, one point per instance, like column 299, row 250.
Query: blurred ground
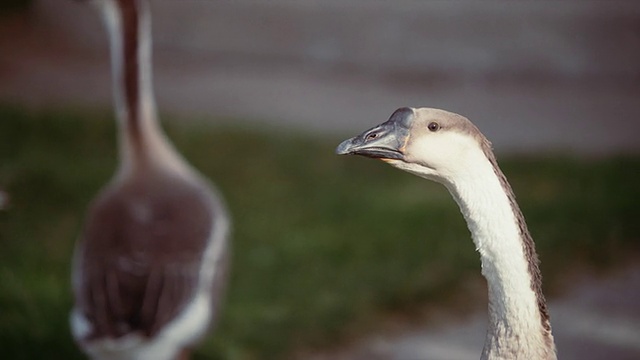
column 536, row 78
column 598, row 318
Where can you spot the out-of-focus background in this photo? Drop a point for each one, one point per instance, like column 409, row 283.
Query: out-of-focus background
column 338, row 257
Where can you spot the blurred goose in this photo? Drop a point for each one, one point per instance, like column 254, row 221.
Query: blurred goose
column 447, row 148
column 150, row 265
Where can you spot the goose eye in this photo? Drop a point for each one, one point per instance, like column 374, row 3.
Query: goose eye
column 434, row 126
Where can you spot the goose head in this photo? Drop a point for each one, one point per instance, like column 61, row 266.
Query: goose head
column 435, row 144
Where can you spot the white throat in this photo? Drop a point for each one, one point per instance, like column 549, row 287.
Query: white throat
column 515, row 329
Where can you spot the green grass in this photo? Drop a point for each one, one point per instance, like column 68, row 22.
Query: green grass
column 323, row 245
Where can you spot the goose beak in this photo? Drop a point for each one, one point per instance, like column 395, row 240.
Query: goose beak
column 385, row 141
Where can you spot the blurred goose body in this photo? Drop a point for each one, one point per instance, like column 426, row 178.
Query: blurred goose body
column 150, row 265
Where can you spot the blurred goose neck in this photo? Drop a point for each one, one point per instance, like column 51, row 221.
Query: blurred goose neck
column 141, row 140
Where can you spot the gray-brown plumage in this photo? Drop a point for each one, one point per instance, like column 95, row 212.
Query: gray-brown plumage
column 150, row 265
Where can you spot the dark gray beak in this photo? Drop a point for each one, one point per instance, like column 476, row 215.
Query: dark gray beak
column 385, row 141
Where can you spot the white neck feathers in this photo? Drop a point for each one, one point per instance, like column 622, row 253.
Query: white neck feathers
column 515, row 323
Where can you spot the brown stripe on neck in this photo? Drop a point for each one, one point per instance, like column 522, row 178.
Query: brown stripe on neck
column 130, row 13
column 527, row 241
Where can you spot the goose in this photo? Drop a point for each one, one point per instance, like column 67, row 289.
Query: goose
column 150, row 265
column 449, row 149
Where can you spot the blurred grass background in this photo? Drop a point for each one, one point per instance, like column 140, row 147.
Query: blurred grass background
column 324, row 246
